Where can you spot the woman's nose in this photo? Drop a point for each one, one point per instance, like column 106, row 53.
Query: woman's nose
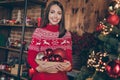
column 55, row 16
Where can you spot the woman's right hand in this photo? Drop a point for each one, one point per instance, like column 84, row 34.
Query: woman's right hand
column 51, row 69
column 39, row 69
column 44, row 68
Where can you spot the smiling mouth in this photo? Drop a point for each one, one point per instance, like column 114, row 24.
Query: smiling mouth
column 55, row 20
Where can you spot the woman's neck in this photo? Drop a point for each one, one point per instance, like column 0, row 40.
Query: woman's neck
column 53, row 28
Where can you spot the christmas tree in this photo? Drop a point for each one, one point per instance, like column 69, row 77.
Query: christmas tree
column 103, row 57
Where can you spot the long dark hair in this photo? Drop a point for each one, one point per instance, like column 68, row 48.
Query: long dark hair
column 45, row 19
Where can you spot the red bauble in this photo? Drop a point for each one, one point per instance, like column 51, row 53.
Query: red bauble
column 45, row 58
column 113, row 69
column 48, row 52
column 55, row 58
column 51, row 58
column 58, row 58
column 99, row 27
column 60, row 52
column 118, row 61
column 113, row 19
column 38, row 21
column 31, row 72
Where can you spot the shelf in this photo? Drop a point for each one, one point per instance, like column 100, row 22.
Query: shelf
column 19, row 3
column 10, row 5
column 11, row 49
column 39, row 2
column 9, row 25
column 8, row 73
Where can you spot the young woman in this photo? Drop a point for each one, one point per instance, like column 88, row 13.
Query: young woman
column 51, row 34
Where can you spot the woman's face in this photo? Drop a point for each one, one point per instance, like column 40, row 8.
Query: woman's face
column 55, row 15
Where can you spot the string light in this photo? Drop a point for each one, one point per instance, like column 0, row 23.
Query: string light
column 96, row 60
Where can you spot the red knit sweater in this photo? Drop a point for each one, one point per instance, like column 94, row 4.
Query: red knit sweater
column 42, row 39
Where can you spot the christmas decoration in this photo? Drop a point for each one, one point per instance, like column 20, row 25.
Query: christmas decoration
column 45, row 58
column 19, row 17
column 60, row 52
column 113, row 19
column 103, row 61
column 48, row 52
column 109, row 33
column 100, row 27
column 31, row 72
column 38, row 21
column 55, row 58
column 40, row 55
column 98, row 61
column 113, row 68
column 57, row 55
column 50, row 58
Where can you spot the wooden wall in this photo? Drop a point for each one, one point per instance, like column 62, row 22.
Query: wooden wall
column 83, row 15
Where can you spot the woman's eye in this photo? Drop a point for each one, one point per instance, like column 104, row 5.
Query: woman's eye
column 60, row 13
column 52, row 12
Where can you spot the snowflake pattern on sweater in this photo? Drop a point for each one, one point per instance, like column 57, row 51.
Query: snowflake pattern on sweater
column 43, row 39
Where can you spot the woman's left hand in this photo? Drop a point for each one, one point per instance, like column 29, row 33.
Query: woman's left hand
column 62, row 67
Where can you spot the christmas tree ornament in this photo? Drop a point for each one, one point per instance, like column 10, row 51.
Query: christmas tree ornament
column 60, row 52
column 48, row 52
column 100, row 27
column 111, row 8
column 38, row 21
column 28, row 20
column 58, row 58
column 31, row 72
column 40, row 55
column 114, row 7
column 18, row 20
column 117, row 4
column 55, row 58
column 51, row 58
column 113, row 19
column 45, row 58
column 113, row 68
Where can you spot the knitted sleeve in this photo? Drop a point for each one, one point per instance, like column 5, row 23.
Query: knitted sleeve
column 33, row 50
column 69, row 50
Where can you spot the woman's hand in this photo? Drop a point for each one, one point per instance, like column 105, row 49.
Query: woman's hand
column 53, row 67
column 44, row 68
column 62, row 67
column 39, row 69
